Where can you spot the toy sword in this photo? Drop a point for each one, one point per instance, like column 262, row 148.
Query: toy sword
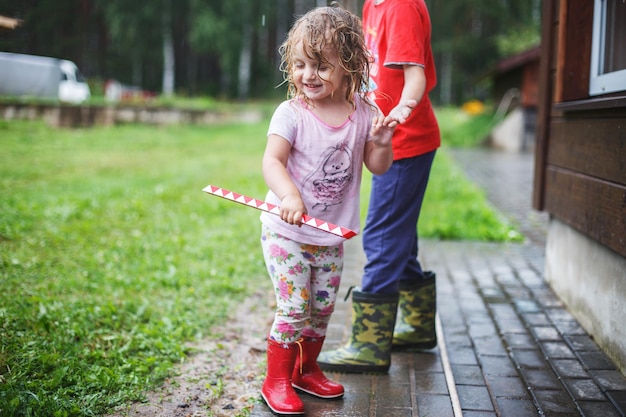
column 271, row 208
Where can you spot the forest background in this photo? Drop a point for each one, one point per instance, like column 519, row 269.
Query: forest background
column 229, row 49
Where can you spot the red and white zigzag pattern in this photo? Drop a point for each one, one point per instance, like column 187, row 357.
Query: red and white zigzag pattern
column 271, row 208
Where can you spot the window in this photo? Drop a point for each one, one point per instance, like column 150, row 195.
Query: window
column 608, row 54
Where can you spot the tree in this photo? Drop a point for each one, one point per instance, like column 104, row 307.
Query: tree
column 169, row 71
column 467, row 41
column 130, row 28
column 230, row 48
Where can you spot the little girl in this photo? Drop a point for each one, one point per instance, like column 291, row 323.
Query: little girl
column 318, row 141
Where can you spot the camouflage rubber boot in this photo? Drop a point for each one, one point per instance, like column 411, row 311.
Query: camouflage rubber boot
column 369, row 348
column 415, row 326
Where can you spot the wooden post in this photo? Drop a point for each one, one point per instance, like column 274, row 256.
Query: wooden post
column 546, row 84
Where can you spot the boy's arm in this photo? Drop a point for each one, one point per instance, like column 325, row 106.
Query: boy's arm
column 378, row 153
column 279, row 181
column 412, row 93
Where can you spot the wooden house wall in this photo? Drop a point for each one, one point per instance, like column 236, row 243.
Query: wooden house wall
column 502, row 83
column 520, row 71
column 580, row 171
column 530, row 84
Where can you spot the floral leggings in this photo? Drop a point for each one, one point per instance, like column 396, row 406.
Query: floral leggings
column 306, row 281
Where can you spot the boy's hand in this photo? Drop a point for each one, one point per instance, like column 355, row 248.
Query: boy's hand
column 400, row 113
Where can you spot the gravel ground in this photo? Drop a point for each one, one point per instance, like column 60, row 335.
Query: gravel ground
column 223, row 377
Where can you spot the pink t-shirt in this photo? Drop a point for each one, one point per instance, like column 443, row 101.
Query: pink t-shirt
column 325, row 163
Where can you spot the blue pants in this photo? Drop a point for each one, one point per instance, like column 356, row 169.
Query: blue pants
column 390, row 239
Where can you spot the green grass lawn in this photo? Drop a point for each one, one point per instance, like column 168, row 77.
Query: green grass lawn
column 460, row 129
column 112, row 258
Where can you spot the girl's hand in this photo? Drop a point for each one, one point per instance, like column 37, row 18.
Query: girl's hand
column 292, row 209
column 381, row 133
column 400, row 113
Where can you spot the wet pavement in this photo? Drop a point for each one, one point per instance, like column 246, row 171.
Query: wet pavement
column 507, row 345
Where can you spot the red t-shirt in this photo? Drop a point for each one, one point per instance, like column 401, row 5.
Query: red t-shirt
column 397, row 32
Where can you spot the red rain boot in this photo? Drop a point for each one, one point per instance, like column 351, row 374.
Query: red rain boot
column 307, row 375
column 277, row 391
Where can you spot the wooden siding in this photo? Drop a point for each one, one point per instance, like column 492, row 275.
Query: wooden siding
column 585, row 183
column 593, row 146
column 580, row 156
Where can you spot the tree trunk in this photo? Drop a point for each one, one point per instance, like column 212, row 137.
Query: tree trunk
column 168, row 51
column 445, row 91
column 137, row 70
column 245, row 62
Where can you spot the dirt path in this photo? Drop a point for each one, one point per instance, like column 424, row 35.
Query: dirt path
column 224, row 377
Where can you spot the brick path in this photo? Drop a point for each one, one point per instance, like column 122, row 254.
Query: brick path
column 507, row 345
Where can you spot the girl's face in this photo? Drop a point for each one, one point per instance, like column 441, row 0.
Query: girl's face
column 318, row 81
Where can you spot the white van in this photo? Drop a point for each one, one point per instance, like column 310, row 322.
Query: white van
column 44, row 77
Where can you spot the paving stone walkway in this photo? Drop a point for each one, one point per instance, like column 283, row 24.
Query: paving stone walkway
column 507, row 345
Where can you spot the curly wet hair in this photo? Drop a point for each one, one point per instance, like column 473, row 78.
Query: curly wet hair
column 323, row 31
